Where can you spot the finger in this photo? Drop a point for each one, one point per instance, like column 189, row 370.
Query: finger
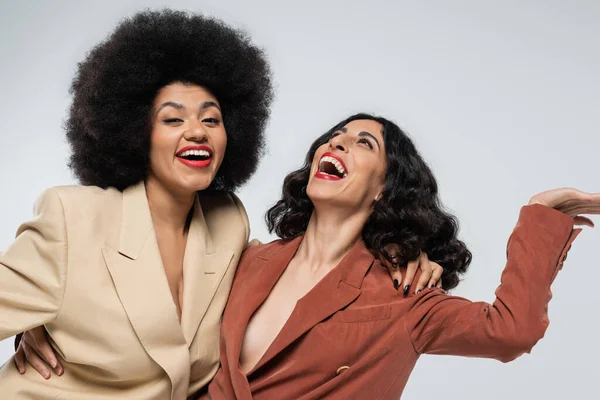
column 20, row 359
column 580, row 220
column 35, row 361
column 253, row 242
column 44, row 350
column 439, row 284
column 437, row 274
column 426, row 274
column 394, row 272
column 411, row 270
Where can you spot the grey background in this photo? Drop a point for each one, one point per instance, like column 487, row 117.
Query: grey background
column 500, row 96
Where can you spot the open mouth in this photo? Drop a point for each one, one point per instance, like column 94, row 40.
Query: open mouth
column 331, row 167
column 195, row 156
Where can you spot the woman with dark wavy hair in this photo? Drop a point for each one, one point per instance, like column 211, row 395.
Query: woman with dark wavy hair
column 310, row 315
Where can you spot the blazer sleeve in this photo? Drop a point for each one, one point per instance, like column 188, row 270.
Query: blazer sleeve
column 33, row 269
column 512, row 325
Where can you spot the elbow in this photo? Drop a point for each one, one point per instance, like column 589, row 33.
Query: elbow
column 522, row 341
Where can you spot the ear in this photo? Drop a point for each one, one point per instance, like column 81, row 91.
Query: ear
column 379, row 194
column 380, row 189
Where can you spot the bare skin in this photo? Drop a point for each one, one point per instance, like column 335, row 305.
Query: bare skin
column 182, row 117
column 341, row 210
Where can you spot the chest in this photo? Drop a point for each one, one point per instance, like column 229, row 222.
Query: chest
column 272, row 315
column 172, row 251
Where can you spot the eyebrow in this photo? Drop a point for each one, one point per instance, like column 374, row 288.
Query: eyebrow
column 364, row 134
column 203, row 106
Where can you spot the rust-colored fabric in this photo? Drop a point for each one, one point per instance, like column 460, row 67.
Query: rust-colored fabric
column 354, row 337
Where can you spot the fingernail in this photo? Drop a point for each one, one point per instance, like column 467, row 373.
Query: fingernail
column 53, row 362
column 406, row 289
column 46, row 374
column 21, row 370
column 418, row 291
column 396, row 284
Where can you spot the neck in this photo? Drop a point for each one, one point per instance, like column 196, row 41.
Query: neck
column 330, row 235
column 169, row 210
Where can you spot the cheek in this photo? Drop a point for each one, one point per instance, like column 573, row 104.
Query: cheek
column 162, row 147
column 219, row 139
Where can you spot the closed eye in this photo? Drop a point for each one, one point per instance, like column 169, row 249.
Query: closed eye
column 366, row 142
column 211, row 120
column 172, row 120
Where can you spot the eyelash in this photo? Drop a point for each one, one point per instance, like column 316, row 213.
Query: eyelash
column 179, row 120
column 361, row 140
column 367, row 142
column 172, row 120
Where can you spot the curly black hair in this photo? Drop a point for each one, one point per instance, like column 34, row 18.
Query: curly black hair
column 108, row 127
column 408, row 213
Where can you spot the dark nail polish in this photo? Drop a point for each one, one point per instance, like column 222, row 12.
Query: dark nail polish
column 406, row 289
column 396, row 284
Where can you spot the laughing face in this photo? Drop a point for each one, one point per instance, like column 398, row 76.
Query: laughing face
column 349, row 170
column 188, row 139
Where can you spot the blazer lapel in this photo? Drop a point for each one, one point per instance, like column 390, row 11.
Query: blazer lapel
column 248, row 296
column 336, row 290
column 203, row 269
column 139, row 279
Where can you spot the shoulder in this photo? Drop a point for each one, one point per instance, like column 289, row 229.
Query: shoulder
column 226, row 219
column 84, row 203
column 77, row 196
column 222, row 205
column 80, row 193
column 260, row 251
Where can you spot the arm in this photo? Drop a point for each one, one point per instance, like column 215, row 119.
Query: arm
column 33, row 269
column 512, row 325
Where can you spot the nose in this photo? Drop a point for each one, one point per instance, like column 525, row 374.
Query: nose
column 196, row 132
column 339, row 143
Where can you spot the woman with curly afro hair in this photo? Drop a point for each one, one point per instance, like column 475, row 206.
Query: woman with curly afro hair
column 130, row 271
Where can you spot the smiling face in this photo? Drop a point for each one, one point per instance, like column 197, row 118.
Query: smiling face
column 350, row 169
column 188, row 138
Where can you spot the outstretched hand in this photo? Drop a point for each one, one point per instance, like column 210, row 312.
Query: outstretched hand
column 572, row 202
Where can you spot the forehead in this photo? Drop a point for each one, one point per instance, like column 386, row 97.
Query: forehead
column 182, row 93
column 365, row 125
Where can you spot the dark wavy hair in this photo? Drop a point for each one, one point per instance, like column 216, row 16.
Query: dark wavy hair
column 108, row 127
column 409, row 212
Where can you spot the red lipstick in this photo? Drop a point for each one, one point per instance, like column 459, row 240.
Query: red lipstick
column 204, row 160
column 330, row 177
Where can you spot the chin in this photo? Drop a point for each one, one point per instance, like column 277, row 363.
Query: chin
column 197, row 185
column 320, row 194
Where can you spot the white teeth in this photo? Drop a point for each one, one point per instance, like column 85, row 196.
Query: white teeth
column 200, row 153
column 335, row 163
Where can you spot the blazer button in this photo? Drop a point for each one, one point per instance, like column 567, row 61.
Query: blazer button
column 342, row 369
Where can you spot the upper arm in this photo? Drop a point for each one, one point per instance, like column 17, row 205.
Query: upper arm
column 33, row 269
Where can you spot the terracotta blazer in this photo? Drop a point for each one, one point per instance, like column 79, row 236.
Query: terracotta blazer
column 88, row 267
column 354, row 337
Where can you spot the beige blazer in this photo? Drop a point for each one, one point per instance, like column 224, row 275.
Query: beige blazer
column 88, row 267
